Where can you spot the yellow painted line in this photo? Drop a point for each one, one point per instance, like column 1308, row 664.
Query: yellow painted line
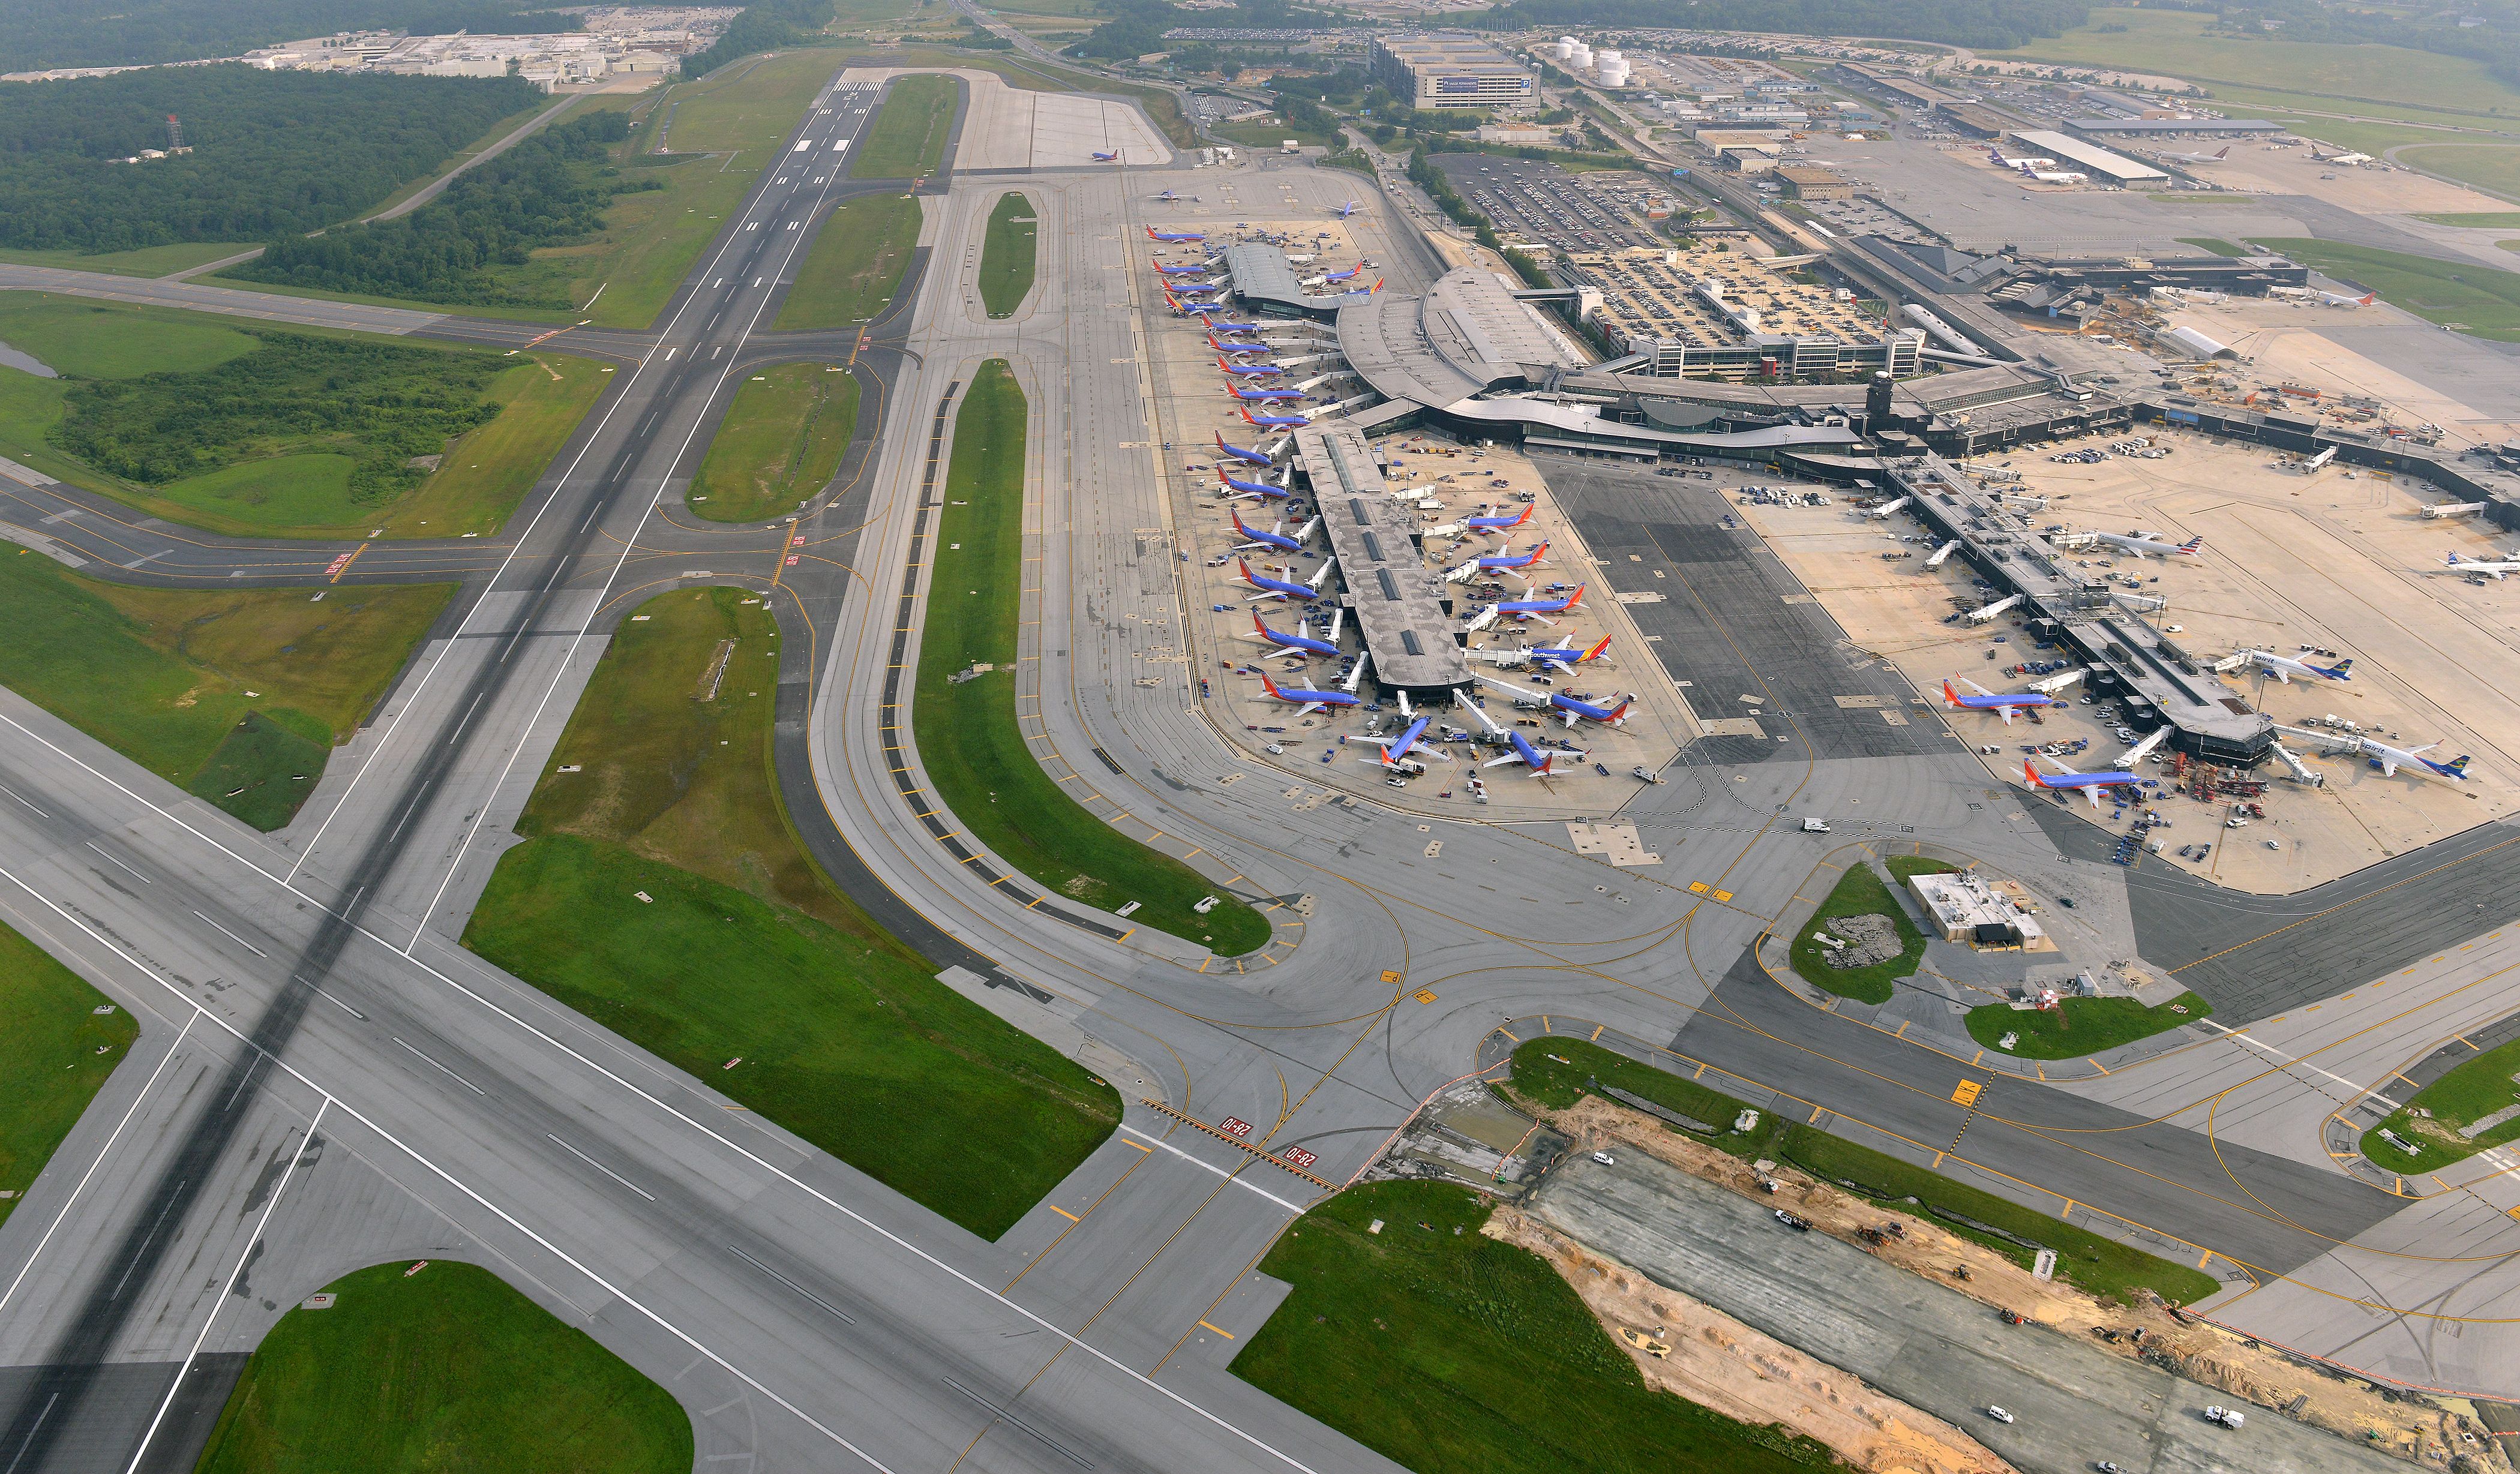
column 2205, row 1259
column 1149, row 1150
column 345, row 563
column 1938, row 1161
column 1596, row 1032
column 1510, row 1034
column 2095, row 1064
column 1220, row 1330
column 2068, row 1210
column 1544, row 1025
column 1903, row 1029
column 1063, row 1213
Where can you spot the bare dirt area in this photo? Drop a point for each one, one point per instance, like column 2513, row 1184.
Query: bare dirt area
column 2414, row 1428
column 1718, row 1363
column 2288, row 342
column 2341, row 561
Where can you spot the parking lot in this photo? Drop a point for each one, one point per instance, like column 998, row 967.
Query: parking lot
column 1543, row 205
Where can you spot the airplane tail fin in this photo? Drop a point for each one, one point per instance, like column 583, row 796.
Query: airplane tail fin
column 2457, row 765
column 1594, row 654
column 1619, row 712
column 1950, row 694
column 2341, row 668
column 2190, row 546
column 2224, row 152
column 1257, row 623
column 2032, row 774
column 1574, row 598
column 1271, row 686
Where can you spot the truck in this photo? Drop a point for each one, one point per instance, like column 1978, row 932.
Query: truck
column 1292, row 146
column 2228, row 1417
column 1816, row 826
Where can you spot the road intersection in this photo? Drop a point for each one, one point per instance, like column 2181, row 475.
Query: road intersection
column 326, row 1078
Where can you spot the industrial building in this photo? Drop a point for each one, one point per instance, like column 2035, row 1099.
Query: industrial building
column 1966, row 909
column 1974, row 120
column 1448, row 70
column 2117, row 168
column 1399, row 601
column 1810, row 182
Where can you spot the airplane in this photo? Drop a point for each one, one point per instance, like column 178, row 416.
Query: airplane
column 1217, row 327
column 2384, row 757
column 1277, row 421
column 1365, row 290
column 2217, row 157
column 1245, row 489
column 2057, row 176
column 2495, row 568
column 1507, row 562
column 1102, row 158
column 1249, row 457
column 1169, row 198
column 1987, row 700
column 1279, row 588
column 2026, row 161
column 2068, row 779
column 1185, row 288
column 1179, row 271
column 1349, row 209
column 1395, row 753
column 1308, row 701
column 1341, row 276
column 1272, row 538
column 1190, row 309
column 1263, row 396
column 2284, row 667
column 1174, row 237
column 2344, row 299
column 1574, row 711
column 1528, row 609
column 2145, row 545
column 1297, row 643
column 1271, row 369
column 1566, row 658
column 1536, row 759
column 1485, row 526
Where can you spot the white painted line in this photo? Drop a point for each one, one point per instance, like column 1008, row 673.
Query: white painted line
column 2241, row 1036
column 233, row 937
column 103, row 1152
column 338, row 1003
column 450, row 1074
column 1238, row 1182
column 13, row 794
column 118, row 864
column 600, row 1167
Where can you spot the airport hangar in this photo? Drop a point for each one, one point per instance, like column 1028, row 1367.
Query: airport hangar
column 1472, row 357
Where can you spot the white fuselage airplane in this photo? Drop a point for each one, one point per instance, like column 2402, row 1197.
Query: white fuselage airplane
column 2145, row 545
column 2215, row 156
column 2284, row 667
column 2497, row 569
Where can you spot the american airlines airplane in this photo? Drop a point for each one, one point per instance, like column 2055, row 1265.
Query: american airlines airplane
column 2145, row 545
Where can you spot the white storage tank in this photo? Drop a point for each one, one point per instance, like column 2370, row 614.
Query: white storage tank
column 1612, row 70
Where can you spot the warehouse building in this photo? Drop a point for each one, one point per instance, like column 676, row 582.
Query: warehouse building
column 1448, row 70
column 1810, row 182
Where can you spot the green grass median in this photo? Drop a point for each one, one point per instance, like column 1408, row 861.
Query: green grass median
column 239, row 695
column 55, row 1056
column 855, row 265
column 2481, row 300
column 1007, row 255
column 662, row 893
column 1860, row 892
column 2438, row 1120
column 2079, row 1027
column 2098, row 1265
column 446, row 1369
column 968, row 738
column 1440, row 1348
column 780, row 440
column 907, row 139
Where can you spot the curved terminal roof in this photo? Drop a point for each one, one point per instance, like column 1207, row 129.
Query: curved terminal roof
column 1464, row 335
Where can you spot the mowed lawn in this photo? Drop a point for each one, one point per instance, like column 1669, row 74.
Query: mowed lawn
column 54, row 1057
column 907, row 138
column 2100, row 1265
column 968, row 736
column 448, row 1369
column 1007, row 254
column 145, row 262
column 741, row 951
column 2487, row 167
column 855, row 264
column 1860, row 892
column 216, row 690
column 1440, row 1348
column 2479, row 1089
column 2080, row 1027
column 289, row 482
column 780, row 440
column 2477, row 299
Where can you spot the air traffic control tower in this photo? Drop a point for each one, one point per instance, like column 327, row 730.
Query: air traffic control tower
column 1398, row 602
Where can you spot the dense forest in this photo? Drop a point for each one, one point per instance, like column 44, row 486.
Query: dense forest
column 764, row 26
column 381, row 404
column 1992, row 24
column 547, row 191
column 1136, row 26
column 274, row 153
column 42, row 33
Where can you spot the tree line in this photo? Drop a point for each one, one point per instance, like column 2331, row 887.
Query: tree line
column 550, row 190
column 764, row 26
column 383, row 404
column 274, row 153
column 1990, row 24
column 42, row 33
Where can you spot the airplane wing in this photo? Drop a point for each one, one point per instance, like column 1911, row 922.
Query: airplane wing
column 1973, row 686
column 2004, row 712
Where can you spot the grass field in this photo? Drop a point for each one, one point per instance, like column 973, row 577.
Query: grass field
column 175, row 679
column 1441, row 1348
column 2175, row 43
column 2477, row 299
column 2486, row 221
column 966, row 731
column 855, row 264
column 147, row 261
column 746, row 950
column 2080, row 1027
column 1858, row 892
column 297, row 485
column 446, row 1369
column 907, row 138
column 2475, row 1088
column 2495, row 170
column 1007, row 255
column 2098, row 1265
column 54, row 1057
column 780, row 440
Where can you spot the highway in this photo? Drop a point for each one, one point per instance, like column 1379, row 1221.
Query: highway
column 326, row 1078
